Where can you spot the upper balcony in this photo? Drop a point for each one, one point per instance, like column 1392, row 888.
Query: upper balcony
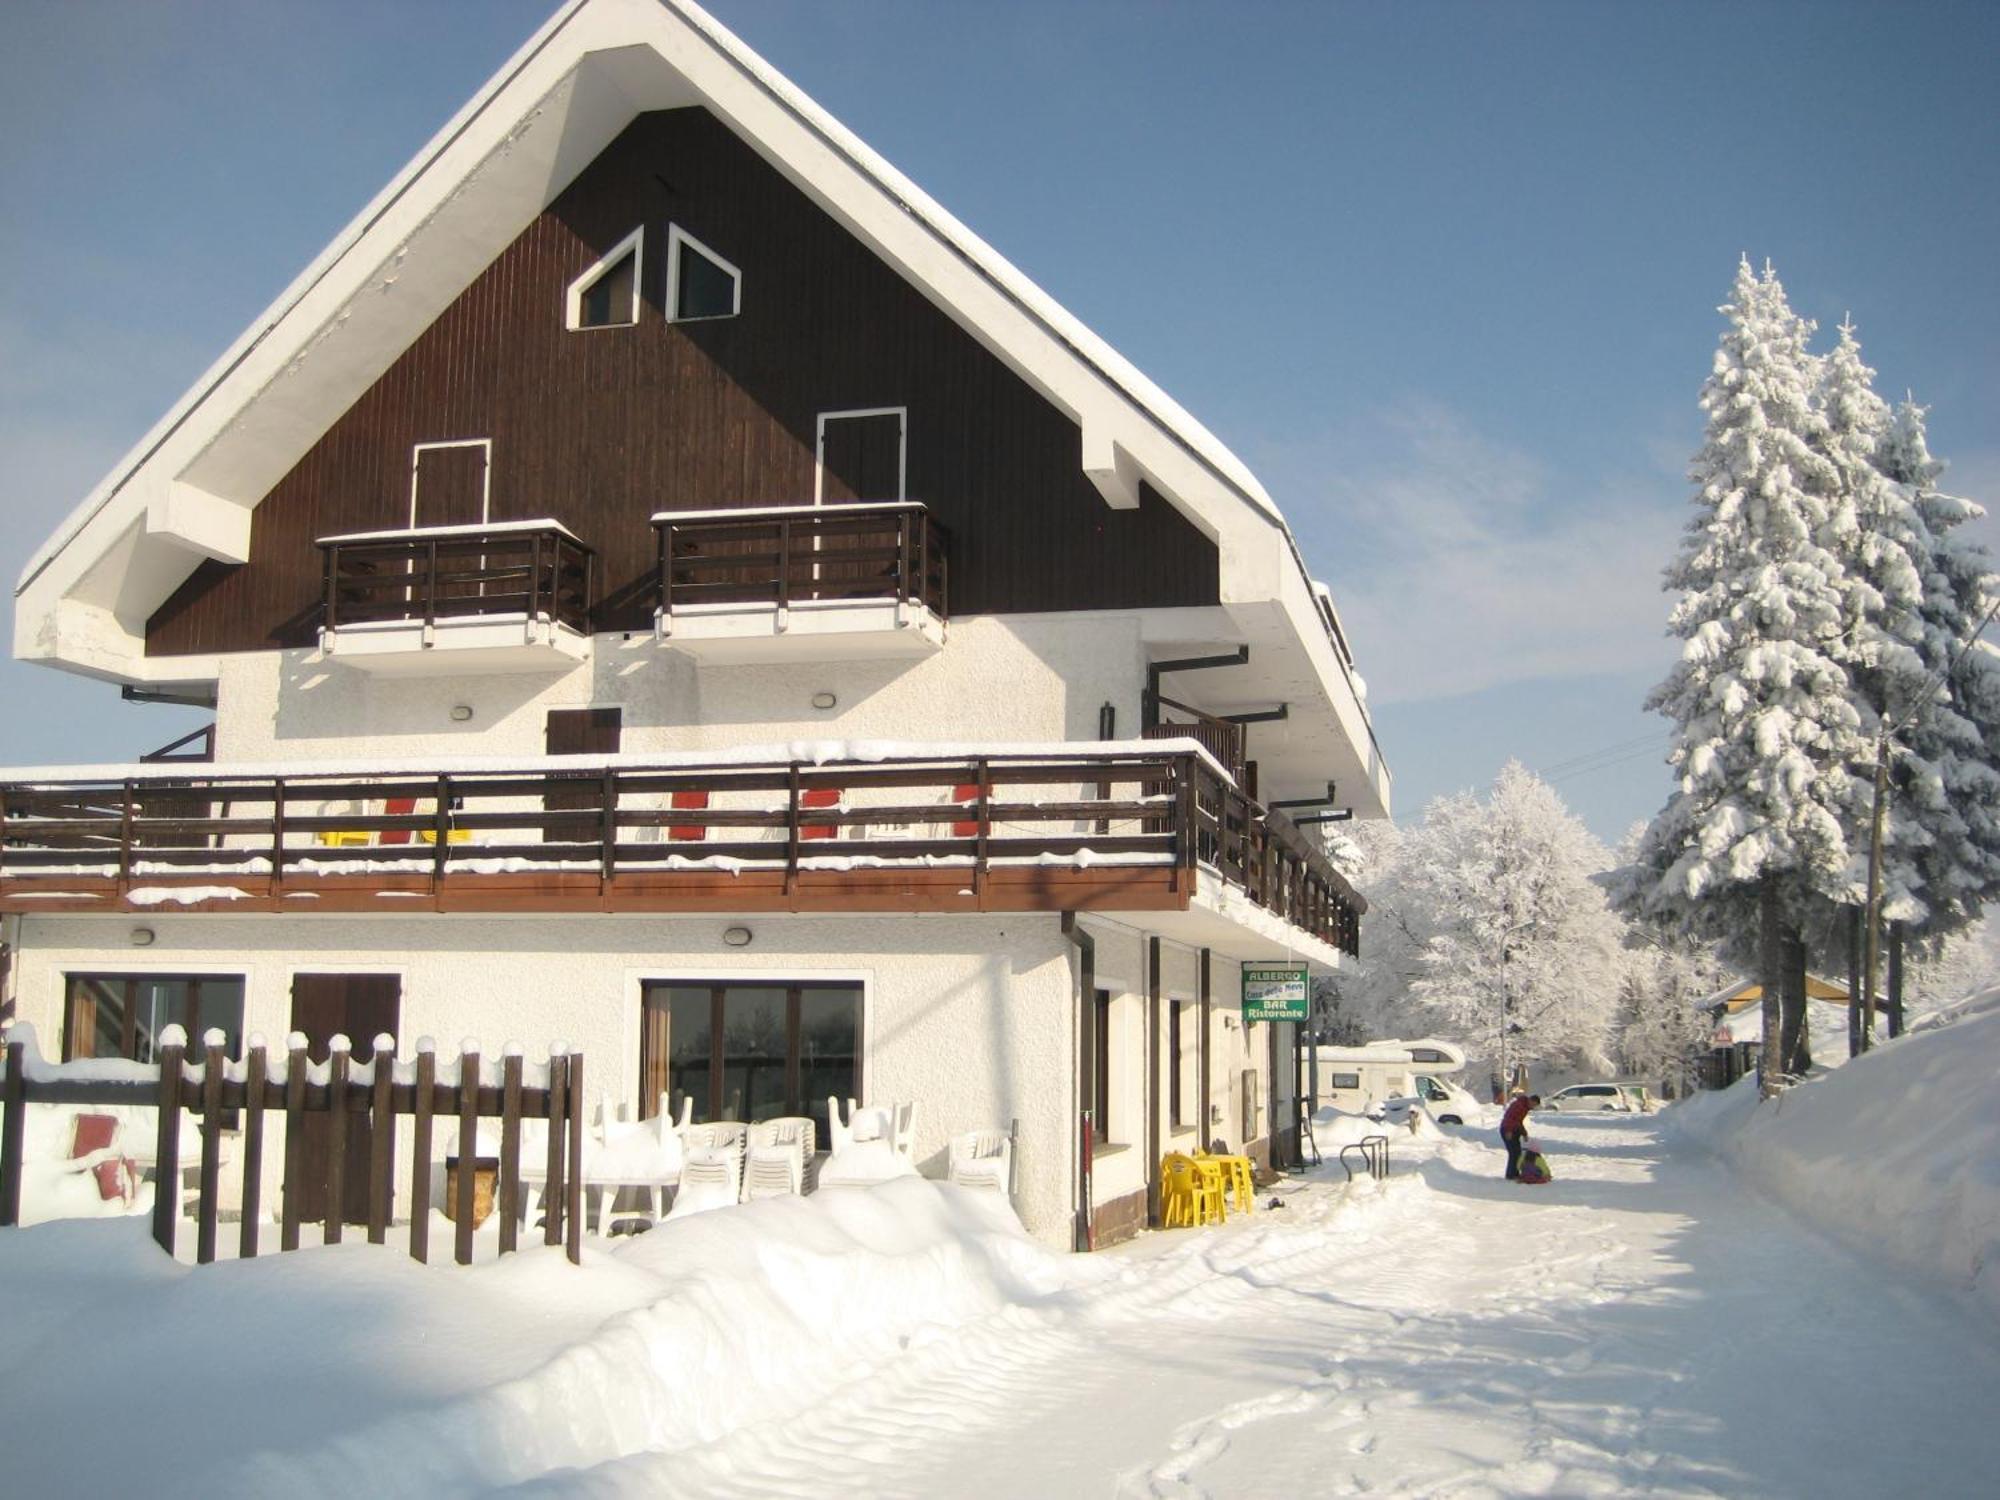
column 803, row 583
column 1133, row 826
column 497, row 597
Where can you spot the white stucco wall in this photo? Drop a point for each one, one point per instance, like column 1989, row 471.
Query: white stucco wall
column 1120, row 1166
column 972, row 1017
column 999, row 677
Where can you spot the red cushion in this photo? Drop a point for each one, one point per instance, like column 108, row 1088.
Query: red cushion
column 688, row 801
column 820, row 796
column 965, row 791
column 397, row 807
column 110, row 1177
column 93, row 1133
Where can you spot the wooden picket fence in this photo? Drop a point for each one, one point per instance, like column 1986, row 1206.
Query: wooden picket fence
column 346, row 1096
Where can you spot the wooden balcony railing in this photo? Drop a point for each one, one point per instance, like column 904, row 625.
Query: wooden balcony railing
column 1103, row 828
column 532, row 570
column 888, row 551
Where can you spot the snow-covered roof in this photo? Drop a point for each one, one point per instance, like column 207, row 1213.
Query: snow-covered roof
column 185, row 493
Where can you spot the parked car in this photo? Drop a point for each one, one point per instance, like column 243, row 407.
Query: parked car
column 1579, row 1098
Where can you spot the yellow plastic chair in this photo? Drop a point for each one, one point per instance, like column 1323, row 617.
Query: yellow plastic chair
column 1187, row 1197
column 1237, row 1170
column 1215, row 1181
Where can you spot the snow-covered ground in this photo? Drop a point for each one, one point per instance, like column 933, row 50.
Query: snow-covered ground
column 1643, row 1325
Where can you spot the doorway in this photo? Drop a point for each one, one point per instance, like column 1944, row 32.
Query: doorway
column 359, row 1007
column 862, row 455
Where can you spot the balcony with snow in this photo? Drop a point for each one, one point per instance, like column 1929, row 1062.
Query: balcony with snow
column 495, row 597
column 1154, row 826
column 855, row 582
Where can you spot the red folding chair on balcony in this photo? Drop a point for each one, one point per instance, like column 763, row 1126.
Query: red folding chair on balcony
column 820, row 796
column 688, row 832
column 397, row 807
column 966, row 828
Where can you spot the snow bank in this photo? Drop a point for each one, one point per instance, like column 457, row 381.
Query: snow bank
column 1898, row 1152
column 355, row 1370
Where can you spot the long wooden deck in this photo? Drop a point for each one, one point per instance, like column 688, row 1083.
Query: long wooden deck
column 1098, row 829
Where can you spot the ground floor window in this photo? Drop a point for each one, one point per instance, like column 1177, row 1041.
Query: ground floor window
column 121, row 1015
column 1100, row 1068
column 749, row 1051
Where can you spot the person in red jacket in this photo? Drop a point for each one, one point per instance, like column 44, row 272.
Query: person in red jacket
column 1514, row 1130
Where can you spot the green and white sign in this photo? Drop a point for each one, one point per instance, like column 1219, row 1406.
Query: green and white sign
column 1275, row 992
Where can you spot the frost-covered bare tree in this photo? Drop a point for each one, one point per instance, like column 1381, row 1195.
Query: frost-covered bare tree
column 1513, row 948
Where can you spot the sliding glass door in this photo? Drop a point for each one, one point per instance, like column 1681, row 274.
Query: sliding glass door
column 749, row 1051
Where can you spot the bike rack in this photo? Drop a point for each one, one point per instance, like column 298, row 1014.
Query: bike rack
column 1374, row 1151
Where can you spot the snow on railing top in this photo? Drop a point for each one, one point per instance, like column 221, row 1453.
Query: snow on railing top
column 441, row 533
column 820, row 752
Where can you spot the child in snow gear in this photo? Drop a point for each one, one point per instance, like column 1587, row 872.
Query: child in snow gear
column 1534, row 1165
column 1514, row 1130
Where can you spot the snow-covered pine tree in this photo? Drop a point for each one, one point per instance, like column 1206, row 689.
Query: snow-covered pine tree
column 1947, row 780
column 1874, row 526
column 1754, row 835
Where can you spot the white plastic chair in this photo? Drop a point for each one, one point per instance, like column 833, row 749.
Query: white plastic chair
column 982, row 1159
column 711, row 1177
column 776, row 1161
column 903, row 1128
column 840, row 1133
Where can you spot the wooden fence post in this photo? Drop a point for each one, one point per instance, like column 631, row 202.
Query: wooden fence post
column 574, row 1187
column 254, row 1068
column 381, row 1140
column 339, row 1053
column 510, row 1147
column 211, row 1146
column 420, row 1151
column 295, row 1142
column 13, row 1125
column 554, row 1198
column 167, row 1145
column 468, row 1149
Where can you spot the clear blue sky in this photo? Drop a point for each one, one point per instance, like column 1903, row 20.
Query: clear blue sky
column 1443, row 274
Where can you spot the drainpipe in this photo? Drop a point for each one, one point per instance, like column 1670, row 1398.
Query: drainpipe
column 10, row 942
column 1084, row 1236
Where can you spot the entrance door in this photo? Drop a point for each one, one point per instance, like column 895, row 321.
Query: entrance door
column 861, row 455
column 579, row 731
column 448, row 483
column 359, row 1006
column 861, row 458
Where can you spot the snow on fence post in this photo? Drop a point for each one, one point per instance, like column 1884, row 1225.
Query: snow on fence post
column 255, row 1067
column 468, row 1148
column 295, row 1140
column 554, row 1197
column 167, row 1145
column 574, row 1187
column 381, row 1140
column 338, row 1047
column 13, row 1124
column 211, row 1145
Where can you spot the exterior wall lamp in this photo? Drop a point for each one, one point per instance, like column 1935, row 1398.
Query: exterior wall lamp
column 736, row 937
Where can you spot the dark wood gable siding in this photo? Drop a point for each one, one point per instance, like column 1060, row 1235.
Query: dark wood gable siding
column 601, row 428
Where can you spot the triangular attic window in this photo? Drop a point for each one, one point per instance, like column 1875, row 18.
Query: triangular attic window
column 700, row 283
column 607, row 295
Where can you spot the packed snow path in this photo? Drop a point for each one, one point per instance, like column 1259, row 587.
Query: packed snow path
column 1645, row 1325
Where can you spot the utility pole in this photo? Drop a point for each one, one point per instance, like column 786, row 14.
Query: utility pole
column 1874, row 918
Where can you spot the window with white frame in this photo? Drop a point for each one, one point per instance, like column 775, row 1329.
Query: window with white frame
column 606, row 295
column 700, row 283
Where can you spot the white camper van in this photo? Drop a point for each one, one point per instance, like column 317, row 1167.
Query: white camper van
column 1365, row 1079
